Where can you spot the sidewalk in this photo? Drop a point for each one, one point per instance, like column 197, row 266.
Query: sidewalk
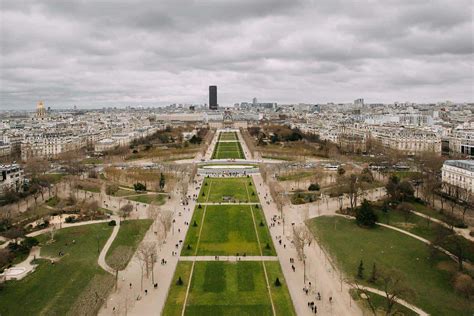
column 318, row 270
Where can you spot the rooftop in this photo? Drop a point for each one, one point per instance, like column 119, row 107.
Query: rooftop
column 463, row 164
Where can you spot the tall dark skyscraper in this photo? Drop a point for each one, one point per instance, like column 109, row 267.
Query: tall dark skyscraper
column 213, row 97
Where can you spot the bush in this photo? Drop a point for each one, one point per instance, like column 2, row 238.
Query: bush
column 314, row 187
column 179, row 282
column 70, row 219
column 30, row 242
column 139, row 187
column 112, row 223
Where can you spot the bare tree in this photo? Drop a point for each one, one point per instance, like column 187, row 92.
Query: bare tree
column 52, row 231
column 360, row 289
column 147, row 254
column 119, row 259
column 166, row 220
column 126, row 210
column 394, row 287
column 301, row 237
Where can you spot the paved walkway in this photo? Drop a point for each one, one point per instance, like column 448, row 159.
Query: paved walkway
column 125, row 298
column 101, row 261
column 316, row 267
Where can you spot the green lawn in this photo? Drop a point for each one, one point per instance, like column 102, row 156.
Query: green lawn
column 228, row 230
column 281, row 296
column 431, row 282
column 228, row 150
column 380, row 304
column 177, row 293
column 223, row 288
column 130, row 234
column 422, row 227
column 149, row 198
column 238, row 189
column 228, row 136
column 123, row 192
column 57, row 289
column 295, row 176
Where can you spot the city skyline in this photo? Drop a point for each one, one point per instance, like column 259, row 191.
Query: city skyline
column 282, row 51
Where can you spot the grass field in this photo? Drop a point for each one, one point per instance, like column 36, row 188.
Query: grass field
column 228, row 147
column 237, row 189
column 228, row 230
column 149, row 198
column 223, row 288
column 380, row 304
column 228, row 136
column 130, row 234
column 424, row 228
column 228, row 288
column 54, row 289
column 430, row 281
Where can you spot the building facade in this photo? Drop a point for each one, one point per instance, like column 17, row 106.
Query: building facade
column 459, row 173
column 213, row 97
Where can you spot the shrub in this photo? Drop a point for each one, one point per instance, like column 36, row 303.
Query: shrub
column 30, row 242
column 139, row 187
column 112, row 223
column 277, row 282
column 314, row 187
column 70, row 219
column 179, row 282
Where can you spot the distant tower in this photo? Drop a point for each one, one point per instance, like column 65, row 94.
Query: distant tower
column 40, row 110
column 254, row 102
column 213, row 97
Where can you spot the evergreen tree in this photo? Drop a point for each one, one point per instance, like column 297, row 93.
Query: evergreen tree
column 365, row 215
column 360, row 270
column 373, row 276
column 162, row 181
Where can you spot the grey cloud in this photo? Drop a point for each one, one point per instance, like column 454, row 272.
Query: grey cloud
column 156, row 52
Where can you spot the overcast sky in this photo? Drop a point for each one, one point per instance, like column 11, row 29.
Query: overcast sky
column 94, row 53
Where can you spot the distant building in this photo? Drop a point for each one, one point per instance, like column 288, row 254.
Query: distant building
column 254, row 102
column 213, row 97
column 359, row 103
column 12, row 177
column 40, row 110
column 459, row 173
column 105, row 145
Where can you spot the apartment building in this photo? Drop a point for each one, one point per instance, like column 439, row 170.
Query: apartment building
column 12, row 177
column 459, row 173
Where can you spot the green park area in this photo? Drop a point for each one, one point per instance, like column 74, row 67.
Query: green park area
column 429, row 278
column 157, row 199
column 228, row 136
column 216, row 190
column 62, row 287
column 228, row 147
column 228, row 230
column 131, row 233
column 226, row 288
column 75, row 284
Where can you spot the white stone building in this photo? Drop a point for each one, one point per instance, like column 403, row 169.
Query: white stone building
column 459, row 173
column 12, row 176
